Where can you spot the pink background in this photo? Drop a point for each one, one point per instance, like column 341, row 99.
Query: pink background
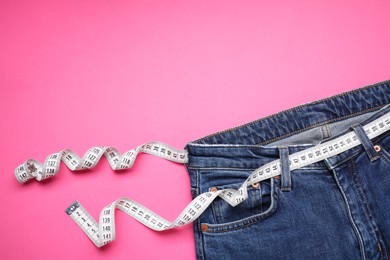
column 77, row 74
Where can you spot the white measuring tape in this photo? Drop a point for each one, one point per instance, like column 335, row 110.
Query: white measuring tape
column 103, row 232
column 33, row 169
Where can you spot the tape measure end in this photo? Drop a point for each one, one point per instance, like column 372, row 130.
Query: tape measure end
column 75, row 205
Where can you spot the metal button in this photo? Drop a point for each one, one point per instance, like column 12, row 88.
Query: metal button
column 255, row 185
column 377, row 148
column 213, row 189
column 204, row 227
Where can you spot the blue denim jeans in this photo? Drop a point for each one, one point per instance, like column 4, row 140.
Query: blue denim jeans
column 338, row 208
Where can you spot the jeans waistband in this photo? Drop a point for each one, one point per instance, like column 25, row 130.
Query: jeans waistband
column 249, row 146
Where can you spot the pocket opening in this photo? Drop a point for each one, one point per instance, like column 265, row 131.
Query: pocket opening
column 260, row 204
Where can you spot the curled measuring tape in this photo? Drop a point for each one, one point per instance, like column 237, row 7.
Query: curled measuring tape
column 33, row 169
column 104, row 232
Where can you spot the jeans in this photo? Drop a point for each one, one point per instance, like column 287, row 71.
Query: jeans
column 338, row 208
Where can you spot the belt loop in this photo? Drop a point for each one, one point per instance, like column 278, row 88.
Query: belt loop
column 285, row 168
column 366, row 142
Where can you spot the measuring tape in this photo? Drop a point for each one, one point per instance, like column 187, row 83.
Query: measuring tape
column 103, row 232
column 33, row 169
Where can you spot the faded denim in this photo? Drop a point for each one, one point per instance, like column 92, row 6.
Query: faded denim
column 338, row 208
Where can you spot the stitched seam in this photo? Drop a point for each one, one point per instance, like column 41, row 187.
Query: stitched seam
column 360, row 148
column 285, row 168
column 349, row 213
column 384, row 155
column 254, row 199
column 387, row 159
column 252, row 169
column 366, row 142
column 299, row 106
column 243, row 224
column 223, row 228
column 383, row 250
column 319, row 124
column 296, row 108
column 360, row 191
column 363, row 199
column 223, row 168
column 325, row 131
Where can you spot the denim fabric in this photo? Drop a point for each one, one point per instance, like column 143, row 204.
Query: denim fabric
column 338, row 208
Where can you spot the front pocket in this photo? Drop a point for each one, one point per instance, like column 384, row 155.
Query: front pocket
column 261, row 203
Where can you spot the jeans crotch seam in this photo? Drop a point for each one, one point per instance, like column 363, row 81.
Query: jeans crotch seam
column 355, row 229
column 366, row 205
column 360, row 190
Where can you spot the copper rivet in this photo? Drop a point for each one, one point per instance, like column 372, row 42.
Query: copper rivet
column 377, row 148
column 213, row 189
column 204, row 227
column 276, row 177
column 255, row 185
